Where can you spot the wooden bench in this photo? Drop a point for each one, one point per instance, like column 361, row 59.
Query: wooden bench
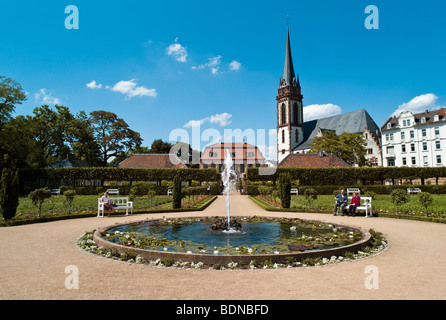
column 351, row 190
column 118, row 203
column 55, row 191
column 113, row 191
column 413, row 190
column 294, row 191
column 365, row 204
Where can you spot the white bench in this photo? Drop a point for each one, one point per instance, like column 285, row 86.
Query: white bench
column 365, row 204
column 169, row 192
column 55, row 191
column 113, row 191
column 294, row 191
column 351, row 190
column 119, row 203
column 413, row 190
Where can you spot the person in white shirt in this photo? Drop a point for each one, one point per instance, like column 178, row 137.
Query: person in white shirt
column 107, row 204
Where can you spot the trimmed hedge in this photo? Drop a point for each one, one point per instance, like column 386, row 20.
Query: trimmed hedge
column 350, row 176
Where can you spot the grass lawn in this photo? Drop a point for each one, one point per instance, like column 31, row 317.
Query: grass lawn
column 381, row 205
column 82, row 205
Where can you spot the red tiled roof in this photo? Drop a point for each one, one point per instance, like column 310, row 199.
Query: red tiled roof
column 153, row 161
column 312, row 161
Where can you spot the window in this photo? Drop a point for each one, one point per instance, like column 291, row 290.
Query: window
column 391, row 137
column 438, row 159
column 423, row 120
column 404, row 162
column 295, row 113
column 425, row 160
column 436, row 117
column 414, row 160
column 233, row 154
column 403, row 135
column 369, row 151
column 412, row 147
column 423, row 132
column 390, row 163
column 296, row 135
column 283, row 113
column 387, row 137
column 403, row 148
column 424, row 146
column 437, row 145
column 437, row 131
column 283, row 151
column 213, row 154
column 390, row 151
column 404, row 123
column 408, row 122
column 283, row 136
column 412, row 134
column 389, row 125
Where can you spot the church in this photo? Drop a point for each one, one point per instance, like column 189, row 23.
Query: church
column 294, row 136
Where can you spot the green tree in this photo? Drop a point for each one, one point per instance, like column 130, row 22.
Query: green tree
column 11, row 93
column 9, row 193
column 69, row 196
column 114, row 137
column 350, row 147
column 285, row 189
column 177, row 192
column 38, row 197
column 426, row 200
column 151, row 194
column 398, row 197
column 310, row 195
column 160, row 146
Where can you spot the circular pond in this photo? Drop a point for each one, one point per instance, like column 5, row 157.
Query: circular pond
column 260, row 238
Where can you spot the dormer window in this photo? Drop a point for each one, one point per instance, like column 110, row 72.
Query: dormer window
column 389, row 125
column 436, row 117
column 423, row 120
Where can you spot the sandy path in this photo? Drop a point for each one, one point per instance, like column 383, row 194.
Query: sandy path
column 33, row 259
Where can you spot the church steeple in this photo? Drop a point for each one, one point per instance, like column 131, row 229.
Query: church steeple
column 289, row 78
column 290, row 131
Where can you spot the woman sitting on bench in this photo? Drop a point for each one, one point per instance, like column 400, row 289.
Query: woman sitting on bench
column 107, row 204
column 356, row 202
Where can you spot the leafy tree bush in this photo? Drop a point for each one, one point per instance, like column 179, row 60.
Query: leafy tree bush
column 9, row 193
column 310, row 195
column 426, row 200
column 177, row 192
column 38, row 197
column 398, row 197
column 285, row 189
column 69, row 196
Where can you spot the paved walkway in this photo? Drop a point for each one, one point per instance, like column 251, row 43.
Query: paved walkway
column 33, row 259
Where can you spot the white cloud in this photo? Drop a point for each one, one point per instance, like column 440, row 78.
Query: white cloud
column 46, row 97
column 93, row 85
column 235, row 65
column 131, row 89
column 213, row 64
column 222, row 119
column 318, row 111
column 177, row 51
column 418, row 104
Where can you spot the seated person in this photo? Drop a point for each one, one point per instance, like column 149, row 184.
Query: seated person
column 107, row 204
column 341, row 202
column 356, row 202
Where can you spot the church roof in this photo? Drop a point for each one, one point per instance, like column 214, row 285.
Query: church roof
column 312, row 160
column 288, row 69
column 352, row 122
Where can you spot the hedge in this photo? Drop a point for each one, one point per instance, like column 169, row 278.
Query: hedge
column 353, row 176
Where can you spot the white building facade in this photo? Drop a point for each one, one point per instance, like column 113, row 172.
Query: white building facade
column 415, row 140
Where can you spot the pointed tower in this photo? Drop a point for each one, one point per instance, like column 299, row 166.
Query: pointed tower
column 290, row 131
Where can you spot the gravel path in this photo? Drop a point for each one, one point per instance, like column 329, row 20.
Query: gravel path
column 33, row 261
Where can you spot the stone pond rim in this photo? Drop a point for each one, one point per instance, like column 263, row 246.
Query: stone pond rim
column 209, row 259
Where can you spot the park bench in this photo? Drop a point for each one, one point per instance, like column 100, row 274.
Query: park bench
column 55, row 191
column 169, row 192
column 365, row 204
column 294, row 191
column 113, row 191
column 118, row 203
column 351, row 190
column 413, row 190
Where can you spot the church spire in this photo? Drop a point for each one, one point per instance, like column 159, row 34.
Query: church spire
column 289, row 77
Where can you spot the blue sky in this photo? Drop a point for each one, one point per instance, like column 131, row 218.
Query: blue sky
column 171, row 65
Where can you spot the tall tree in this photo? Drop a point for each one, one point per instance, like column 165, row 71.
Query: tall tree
column 11, row 93
column 159, row 146
column 350, row 147
column 113, row 134
column 9, row 193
